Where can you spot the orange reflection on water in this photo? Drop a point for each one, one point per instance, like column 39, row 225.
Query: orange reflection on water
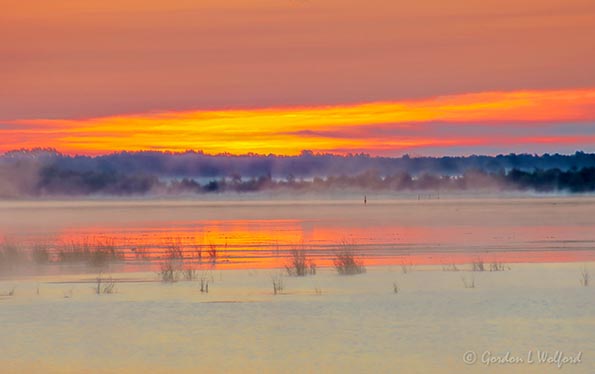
column 267, row 243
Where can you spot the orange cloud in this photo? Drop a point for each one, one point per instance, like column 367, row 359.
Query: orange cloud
column 440, row 122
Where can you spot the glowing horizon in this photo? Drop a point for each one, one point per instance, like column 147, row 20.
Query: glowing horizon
column 266, row 76
column 489, row 119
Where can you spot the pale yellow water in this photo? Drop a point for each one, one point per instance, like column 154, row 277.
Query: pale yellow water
column 323, row 323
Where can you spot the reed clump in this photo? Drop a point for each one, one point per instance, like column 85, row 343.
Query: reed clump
column 478, row 265
column 94, row 253
column 11, row 255
column 104, row 285
column 172, row 266
column 300, row 264
column 347, row 262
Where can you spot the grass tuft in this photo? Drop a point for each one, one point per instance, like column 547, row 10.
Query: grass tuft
column 104, row 286
column 585, row 277
column 478, row 265
column 450, row 267
column 346, row 262
column 94, row 253
column 468, row 282
column 278, row 285
column 299, row 264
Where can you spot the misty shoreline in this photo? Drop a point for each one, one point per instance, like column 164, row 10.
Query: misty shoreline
column 275, row 198
column 49, row 174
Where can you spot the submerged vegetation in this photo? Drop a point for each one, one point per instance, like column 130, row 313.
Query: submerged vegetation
column 93, row 253
column 278, row 285
column 468, row 282
column 406, row 267
column 300, row 264
column 104, row 285
column 96, row 253
column 479, row 265
column 172, row 266
column 168, row 273
column 179, row 263
column 585, row 277
column 177, row 260
column 498, row 266
column 450, row 267
column 346, row 261
column 11, row 255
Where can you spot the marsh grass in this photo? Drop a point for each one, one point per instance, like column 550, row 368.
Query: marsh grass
column 91, row 252
column 197, row 253
column 585, row 277
column 205, row 278
column 41, row 254
column 140, row 252
column 11, row 255
column 104, row 286
column 406, row 267
column 168, row 272
column 172, row 266
column 189, row 274
column 75, row 251
column 498, row 266
column 278, row 285
column 346, row 261
column 94, row 253
column 213, row 253
column 450, row 267
column 478, row 264
column 173, row 248
column 468, row 282
column 300, row 264
column 178, row 264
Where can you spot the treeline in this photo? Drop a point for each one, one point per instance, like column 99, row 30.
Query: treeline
column 49, row 173
column 54, row 181
column 57, row 182
column 553, row 180
column 193, row 164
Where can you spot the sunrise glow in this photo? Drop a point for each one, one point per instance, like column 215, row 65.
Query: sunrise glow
column 503, row 118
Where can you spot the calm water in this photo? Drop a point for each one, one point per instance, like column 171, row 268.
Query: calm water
column 55, row 323
column 260, row 233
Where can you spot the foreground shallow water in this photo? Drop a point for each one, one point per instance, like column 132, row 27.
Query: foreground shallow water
column 321, row 323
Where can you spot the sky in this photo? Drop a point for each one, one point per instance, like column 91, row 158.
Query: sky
column 429, row 77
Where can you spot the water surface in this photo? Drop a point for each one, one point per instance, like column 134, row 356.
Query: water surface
column 260, row 233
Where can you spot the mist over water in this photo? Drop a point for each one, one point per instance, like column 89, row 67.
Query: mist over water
column 45, row 173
